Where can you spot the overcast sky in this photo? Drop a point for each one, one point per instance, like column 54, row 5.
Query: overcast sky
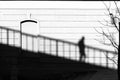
column 52, row 4
column 53, row 11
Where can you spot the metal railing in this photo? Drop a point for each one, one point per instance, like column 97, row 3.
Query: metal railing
column 56, row 47
column 71, row 51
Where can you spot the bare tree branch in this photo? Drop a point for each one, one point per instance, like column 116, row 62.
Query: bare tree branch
column 117, row 8
column 105, row 24
column 108, row 36
column 111, row 58
column 113, row 21
column 108, row 9
column 112, row 38
column 107, row 44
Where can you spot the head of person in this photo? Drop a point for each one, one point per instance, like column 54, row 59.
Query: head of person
column 83, row 38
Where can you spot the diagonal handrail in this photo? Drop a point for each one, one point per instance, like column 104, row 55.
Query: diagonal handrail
column 60, row 40
column 2, row 27
column 57, row 47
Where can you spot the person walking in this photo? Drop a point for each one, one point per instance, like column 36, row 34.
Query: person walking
column 81, row 46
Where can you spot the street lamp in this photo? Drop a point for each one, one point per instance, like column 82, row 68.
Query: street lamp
column 29, row 26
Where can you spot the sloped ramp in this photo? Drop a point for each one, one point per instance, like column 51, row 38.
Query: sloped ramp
column 105, row 75
column 31, row 65
column 88, row 76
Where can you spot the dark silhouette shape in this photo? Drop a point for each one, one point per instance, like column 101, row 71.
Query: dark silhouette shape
column 81, row 46
column 27, row 66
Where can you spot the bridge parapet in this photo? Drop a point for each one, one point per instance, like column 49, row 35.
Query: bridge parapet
column 55, row 47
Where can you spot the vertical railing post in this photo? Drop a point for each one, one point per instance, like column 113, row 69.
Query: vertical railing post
column 50, row 47
column 21, row 36
column 94, row 55
column 70, row 51
column 26, row 42
column 100, row 57
column 107, row 59
column 32, row 43
column 1, row 35
column 63, row 50
column 44, row 44
column 7, row 37
column 76, row 51
column 38, row 42
column 88, row 54
column 14, row 38
column 56, row 47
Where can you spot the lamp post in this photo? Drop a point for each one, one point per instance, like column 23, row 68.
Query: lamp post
column 30, row 27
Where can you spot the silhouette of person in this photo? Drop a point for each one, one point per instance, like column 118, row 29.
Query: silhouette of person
column 81, row 46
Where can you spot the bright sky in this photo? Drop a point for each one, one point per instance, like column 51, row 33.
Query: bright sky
column 61, row 4
column 51, row 4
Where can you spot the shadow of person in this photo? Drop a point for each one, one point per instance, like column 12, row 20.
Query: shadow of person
column 81, row 46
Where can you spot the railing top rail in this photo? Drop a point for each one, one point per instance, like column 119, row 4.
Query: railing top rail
column 59, row 40
column 77, row 44
column 14, row 30
column 4, row 27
